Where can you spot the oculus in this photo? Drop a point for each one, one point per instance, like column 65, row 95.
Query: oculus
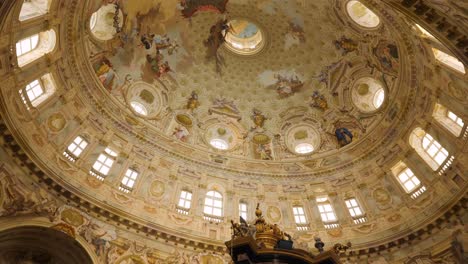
column 368, row 94
column 243, row 37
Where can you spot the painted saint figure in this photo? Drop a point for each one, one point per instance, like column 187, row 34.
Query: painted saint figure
column 264, row 152
column 106, row 74
column 344, row 136
column 319, row 101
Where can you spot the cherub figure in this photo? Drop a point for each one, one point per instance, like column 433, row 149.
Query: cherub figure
column 346, row 45
column 193, row 102
column 181, row 133
column 258, row 118
column 318, row 101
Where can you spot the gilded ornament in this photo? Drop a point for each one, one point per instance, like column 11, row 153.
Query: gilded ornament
column 184, row 120
column 157, row 188
column 363, row 89
column 56, row 122
column 221, row 131
column 147, row 96
column 274, row 213
column 72, row 217
column 301, row 134
column 261, row 139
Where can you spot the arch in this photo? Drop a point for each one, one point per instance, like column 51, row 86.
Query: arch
column 102, row 22
column 34, row 8
column 428, row 148
column 362, row 15
column 35, row 46
column 40, row 245
column 448, row 119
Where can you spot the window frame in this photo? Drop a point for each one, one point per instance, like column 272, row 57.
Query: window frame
column 107, row 155
column 71, row 154
column 242, row 212
column 131, row 175
column 209, row 208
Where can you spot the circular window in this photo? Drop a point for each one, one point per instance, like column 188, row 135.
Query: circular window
column 139, row 108
column 144, row 99
column 219, row 143
column 304, row 148
column 302, row 139
column 243, row 37
column 362, row 15
column 368, row 94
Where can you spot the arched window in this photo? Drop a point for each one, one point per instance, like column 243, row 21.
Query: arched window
column 448, row 119
column 410, row 183
column 355, row 210
column 103, row 164
column 37, row 91
column 75, row 148
column 35, row 46
column 213, row 205
column 428, row 148
column 34, row 8
column 449, row 60
column 185, row 202
column 327, row 213
column 362, row 15
column 128, row 181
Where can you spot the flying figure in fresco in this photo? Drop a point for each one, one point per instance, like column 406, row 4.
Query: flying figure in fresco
column 217, row 37
column 286, row 87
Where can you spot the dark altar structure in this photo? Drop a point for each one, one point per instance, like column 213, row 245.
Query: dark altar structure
column 266, row 243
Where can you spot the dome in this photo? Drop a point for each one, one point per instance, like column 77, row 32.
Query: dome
column 141, row 128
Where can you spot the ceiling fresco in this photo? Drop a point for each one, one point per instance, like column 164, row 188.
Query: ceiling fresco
column 305, row 68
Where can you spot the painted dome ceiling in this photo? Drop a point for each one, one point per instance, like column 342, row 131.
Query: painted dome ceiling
column 300, row 78
column 278, row 102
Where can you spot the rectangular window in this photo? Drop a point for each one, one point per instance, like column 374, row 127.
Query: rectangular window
column 32, row 92
column 213, row 204
column 75, row 148
column 243, row 210
column 408, row 180
column 128, row 181
column 185, row 200
column 103, row 164
column 355, row 211
column 326, row 212
column 299, row 215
